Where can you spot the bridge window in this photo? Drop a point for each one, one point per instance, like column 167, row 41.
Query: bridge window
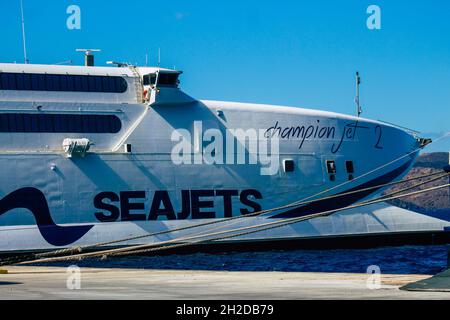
column 149, row 79
column 168, row 79
column 164, row 79
column 59, row 123
column 61, row 82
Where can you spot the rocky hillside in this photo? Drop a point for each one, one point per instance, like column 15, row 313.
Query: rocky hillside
column 436, row 201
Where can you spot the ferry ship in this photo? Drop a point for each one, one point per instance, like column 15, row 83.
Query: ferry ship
column 96, row 154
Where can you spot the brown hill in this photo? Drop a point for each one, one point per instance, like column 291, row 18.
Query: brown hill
column 435, row 201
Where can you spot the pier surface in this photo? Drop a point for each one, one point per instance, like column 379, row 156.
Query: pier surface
column 51, row 283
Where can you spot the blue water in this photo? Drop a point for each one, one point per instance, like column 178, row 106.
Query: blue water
column 395, row 260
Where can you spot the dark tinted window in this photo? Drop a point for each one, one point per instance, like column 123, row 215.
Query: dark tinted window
column 8, row 81
column 168, row 79
column 41, row 84
column 121, row 84
column 52, row 82
column 107, row 84
column 149, row 79
column 59, row 123
column 22, row 83
column 34, row 82
column 84, row 84
column 331, row 167
column 77, row 86
column 289, row 166
column 57, row 82
column 349, row 166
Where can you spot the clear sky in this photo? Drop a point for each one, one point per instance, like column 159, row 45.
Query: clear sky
column 298, row 53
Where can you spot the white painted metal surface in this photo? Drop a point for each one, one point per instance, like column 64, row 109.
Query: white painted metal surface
column 49, row 200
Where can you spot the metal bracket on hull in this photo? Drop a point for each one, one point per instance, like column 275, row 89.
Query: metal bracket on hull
column 424, row 142
column 76, row 147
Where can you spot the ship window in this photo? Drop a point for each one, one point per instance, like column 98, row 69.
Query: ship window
column 168, row 79
column 331, row 167
column 23, row 81
column 8, row 81
column 121, row 84
column 52, row 82
column 34, row 82
column 78, row 86
column 92, row 84
column 59, row 123
column 58, row 82
column 63, row 82
column 146, row 80
column 149, row 79
column 349, row 167
column 84, row 84
column 107, row 85
column 41, row 82
column 164, row 79
column 12, row 122
column 289, row 165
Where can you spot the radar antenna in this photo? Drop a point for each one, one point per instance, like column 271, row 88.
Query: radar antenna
column 88, row 56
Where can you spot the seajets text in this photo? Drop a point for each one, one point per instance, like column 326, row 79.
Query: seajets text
column 195, row 204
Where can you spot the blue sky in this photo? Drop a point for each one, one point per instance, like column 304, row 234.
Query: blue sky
column 298, row 53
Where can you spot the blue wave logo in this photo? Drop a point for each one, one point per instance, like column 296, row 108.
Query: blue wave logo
column 34, row 200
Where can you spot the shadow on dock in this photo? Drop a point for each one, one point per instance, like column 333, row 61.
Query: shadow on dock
column 437, row 283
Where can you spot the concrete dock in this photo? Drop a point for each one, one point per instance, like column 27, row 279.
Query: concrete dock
column 52, row 283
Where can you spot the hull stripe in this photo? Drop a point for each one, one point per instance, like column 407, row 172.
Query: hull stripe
column 344, row 201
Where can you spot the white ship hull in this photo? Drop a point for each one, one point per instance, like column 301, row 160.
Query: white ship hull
column 128, row 183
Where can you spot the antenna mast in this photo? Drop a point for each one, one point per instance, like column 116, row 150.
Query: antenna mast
column 159, row 57
column 23, row 34
column 358, row 106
